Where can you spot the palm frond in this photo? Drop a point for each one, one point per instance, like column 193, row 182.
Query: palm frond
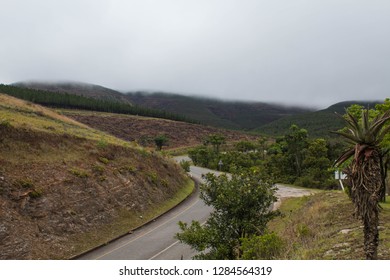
column 368, row 132
column 355, row 139
column 344, row 157
column 365, row 121
column 379, row 122
column 383, row 133
column 352, row 121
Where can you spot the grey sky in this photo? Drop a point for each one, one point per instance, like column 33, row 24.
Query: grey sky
column 307, row 52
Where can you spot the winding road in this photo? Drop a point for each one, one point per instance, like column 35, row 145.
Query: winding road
column 155, row 241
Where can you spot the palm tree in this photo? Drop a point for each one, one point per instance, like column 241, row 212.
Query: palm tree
column 364, row 172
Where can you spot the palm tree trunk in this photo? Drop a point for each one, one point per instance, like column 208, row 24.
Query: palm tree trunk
column 371, row 235
column 366, row 181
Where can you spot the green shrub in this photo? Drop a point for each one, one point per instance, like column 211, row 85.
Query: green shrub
column 79, row 172
column 26, row 183
column 152, row 176
column 128, row 168
column 303, row 231
column 131, row 168
column 164, row 183
column 98, row 168
column 36, row 193
column 104, row 160
column 5, row 123
column 102, row 143
column 264, row 247
column 185, row 164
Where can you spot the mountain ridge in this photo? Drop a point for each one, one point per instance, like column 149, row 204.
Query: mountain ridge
column 261, row 117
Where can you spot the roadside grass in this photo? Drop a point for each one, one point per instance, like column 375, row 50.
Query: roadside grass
column 125, row 222
column 322, row 226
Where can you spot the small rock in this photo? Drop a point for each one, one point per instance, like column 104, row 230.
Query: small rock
column 329, row 253
column 346, row 231
column 340, row 245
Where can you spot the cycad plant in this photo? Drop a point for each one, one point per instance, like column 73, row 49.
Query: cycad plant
column 364, row 172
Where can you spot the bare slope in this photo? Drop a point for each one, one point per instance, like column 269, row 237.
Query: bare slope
column 143, row 130
column 65, row 187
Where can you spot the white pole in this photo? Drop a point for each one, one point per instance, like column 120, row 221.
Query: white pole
column 341, row 184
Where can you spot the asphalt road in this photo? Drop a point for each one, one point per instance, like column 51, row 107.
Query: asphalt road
column 156, row 241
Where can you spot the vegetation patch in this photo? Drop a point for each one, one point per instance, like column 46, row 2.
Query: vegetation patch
column 36, row 193
column 26, row 183
column 79, row 172
column 104, row 160
column 322, row 226
column 5, row 123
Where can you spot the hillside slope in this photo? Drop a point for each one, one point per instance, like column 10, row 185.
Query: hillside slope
column 318, row 124
column 65, row 187
column 143, row 130
column 226, row 114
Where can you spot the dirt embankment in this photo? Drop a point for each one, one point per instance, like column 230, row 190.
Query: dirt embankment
column 60, row 193
column 143, row 130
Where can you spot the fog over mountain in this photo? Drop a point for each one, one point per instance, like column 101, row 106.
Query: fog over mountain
column 302, row 52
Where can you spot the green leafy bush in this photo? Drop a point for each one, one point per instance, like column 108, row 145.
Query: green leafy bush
column 268, row 246
column 36, row 193
column 104, row 160
column 185, row 164
column 79, row 172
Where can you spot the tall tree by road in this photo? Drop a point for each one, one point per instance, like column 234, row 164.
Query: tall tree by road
column 364, row 172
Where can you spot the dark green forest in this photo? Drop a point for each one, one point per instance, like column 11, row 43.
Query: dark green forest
column 72, row 101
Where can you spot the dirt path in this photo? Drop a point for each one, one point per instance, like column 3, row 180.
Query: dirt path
column 285, row 191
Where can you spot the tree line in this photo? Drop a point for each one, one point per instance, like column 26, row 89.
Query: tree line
column 73, row 101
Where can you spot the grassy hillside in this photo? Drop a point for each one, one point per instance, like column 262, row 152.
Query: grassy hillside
column 318, row 124
column 226, row 114
column 322, row 226
column 65, row 187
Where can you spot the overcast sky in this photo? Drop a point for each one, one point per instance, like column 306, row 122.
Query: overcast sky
column 308, row 52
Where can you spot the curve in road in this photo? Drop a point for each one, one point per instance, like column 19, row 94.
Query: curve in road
column 156, row 240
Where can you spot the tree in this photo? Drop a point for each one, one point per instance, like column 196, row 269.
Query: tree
column 381, row 108
column 200, row 155
column 296, row 145
column 286, row 155
column 241, row 210
column 216, row 140
column 263, row 145
column 245, row 146
column 364, row 172
column 160, row 141
column 317, row 172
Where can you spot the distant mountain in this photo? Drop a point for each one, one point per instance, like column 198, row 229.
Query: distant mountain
column 84, row 89
column 225, row 114
column 318, row 124
column 266, row 118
